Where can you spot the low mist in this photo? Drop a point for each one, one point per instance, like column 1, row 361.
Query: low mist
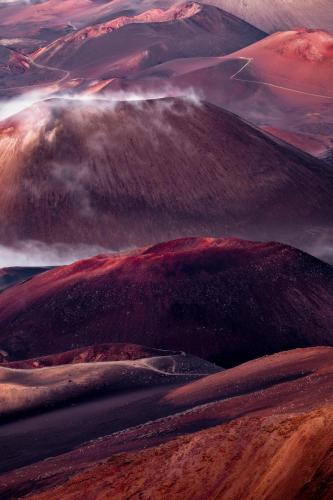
column 36, row 254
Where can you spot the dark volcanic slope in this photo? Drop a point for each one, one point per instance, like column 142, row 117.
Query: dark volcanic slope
column 224, row 300
column 136, row 173
column 126, row 44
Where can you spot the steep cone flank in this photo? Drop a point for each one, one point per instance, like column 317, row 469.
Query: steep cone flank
column 134, row 173
column 211, row 298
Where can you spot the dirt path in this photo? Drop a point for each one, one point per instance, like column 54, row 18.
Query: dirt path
column 66, row 74
column 257, row 82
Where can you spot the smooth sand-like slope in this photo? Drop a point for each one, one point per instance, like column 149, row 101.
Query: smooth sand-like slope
column 211, row 298
column 282, row 83
column 91, row 354
column 265, row 430
column 24, row 390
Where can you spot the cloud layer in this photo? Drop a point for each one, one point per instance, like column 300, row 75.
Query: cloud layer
column 36, row 253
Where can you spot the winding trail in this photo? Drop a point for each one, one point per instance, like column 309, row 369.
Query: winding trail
column 250, row 60
column 235, row 76
column 66, row 74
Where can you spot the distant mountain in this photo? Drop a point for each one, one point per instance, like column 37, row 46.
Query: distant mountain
column 276, row 15
column 10, row 276
column 131, row 43
column 281, row 83
column 50, row 19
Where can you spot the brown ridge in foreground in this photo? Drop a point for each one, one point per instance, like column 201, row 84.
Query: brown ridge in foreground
column 245, row 459
column 265, row 428
column 207, row 297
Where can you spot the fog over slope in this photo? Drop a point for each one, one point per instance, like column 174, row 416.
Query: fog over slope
column 126, row 174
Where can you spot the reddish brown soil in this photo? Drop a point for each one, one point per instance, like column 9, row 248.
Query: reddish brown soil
column 267, row 458
column 211, row 298
column 271, row 417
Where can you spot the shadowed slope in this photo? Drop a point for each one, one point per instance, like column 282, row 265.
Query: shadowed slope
column 10, row 276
